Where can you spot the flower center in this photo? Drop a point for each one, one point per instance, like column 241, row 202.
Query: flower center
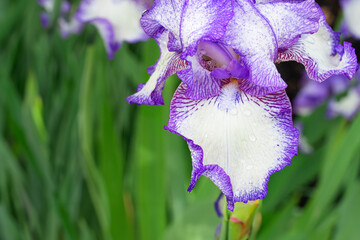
column 221, row 55
column 221, row 60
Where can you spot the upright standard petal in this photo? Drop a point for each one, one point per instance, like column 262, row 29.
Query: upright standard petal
column 252, row 37
column 290, row 19
column 189, row 22
column 235, row 139
column 116, row 20
column 321, row 54
column 168, row 63
column 203, row 20
column 163, row 15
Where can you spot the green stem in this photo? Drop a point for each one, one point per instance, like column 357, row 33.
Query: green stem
column 242, row 223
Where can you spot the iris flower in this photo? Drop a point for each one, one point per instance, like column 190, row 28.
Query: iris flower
column 66, row 26
column 116, row 20
column 343, row 96
column 350, row 24
column 231, row 106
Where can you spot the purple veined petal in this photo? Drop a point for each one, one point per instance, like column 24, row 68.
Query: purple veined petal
column 351, row 11
column 164, row 14
column 223, row 60
column 203, row 77
column 203, row 20
column 235, row 139
column 201, row 83
column 168, row 63
column 348, row 106
column 188, row 22
column 117, row 21
column 321, row 54
column 290, row 19
column 251, row 36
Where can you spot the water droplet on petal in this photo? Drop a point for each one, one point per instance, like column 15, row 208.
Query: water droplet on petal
column 249, row 167
column 252, row 138
column 310, row 40
column 247, row 112
column 233, row 111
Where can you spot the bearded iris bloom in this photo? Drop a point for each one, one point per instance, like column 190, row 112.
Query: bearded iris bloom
column 116, row 20
column 231, row 106
column 66, row 26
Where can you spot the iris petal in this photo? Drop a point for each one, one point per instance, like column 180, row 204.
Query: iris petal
column 168, row 63
column 348, row 106
column 350, row 24
column 73, row 26
column 251, row 36
column 203, row 20
column 290, row 19
column 311, row 95
column 164, row 14
column 321, row 54
column 201, row 83
column 117, row 21
column 235, row 139
column 188, row 23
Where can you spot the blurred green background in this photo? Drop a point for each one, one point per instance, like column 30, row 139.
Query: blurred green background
column 78, row 162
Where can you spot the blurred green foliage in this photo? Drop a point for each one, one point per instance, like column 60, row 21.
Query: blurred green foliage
column 78, row 162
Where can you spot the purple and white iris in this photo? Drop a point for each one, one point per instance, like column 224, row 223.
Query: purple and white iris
column 66, row 26
column 231, row 106
column 351, row 11
column 116, row 20
column 313, row 94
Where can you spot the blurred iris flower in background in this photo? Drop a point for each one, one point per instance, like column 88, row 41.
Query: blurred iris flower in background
column 343, row 96
column 350, row 24
column 68, row 25
column 116, row 20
